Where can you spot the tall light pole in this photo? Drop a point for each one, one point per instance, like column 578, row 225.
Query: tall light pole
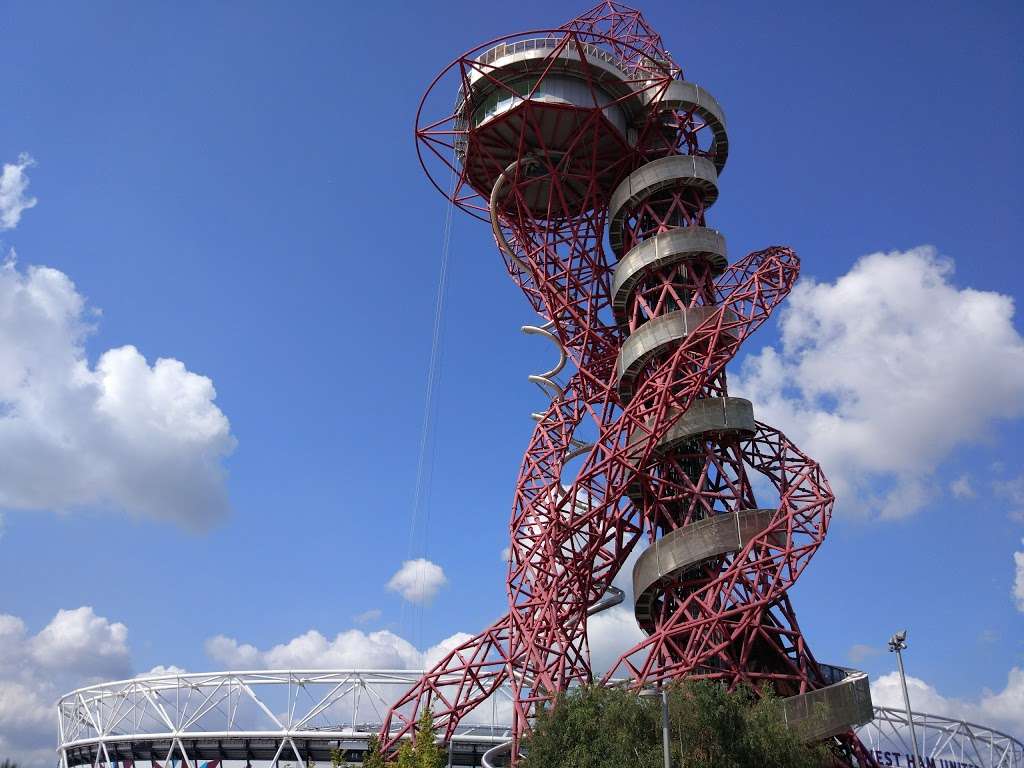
column 897, row 644
column 666, row 738
column 666, row 743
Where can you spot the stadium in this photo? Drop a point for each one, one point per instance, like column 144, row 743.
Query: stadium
column 295, row 718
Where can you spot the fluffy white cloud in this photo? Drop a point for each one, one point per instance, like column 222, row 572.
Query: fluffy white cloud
column 351, row 649
column 1002, row 710
column 80, row 642
column 145, row 439
column 884, row 372
column 613, row 631
column 418, row 581
column 1018, row 581
column 610, row 633
column 161, row 669
column 13, row 186
column 435, row 653
column 76, row 648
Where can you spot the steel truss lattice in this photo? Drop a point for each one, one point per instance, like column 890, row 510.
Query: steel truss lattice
column 295, row 716
column 565, row 140
column 263, row 715
column 943, row 741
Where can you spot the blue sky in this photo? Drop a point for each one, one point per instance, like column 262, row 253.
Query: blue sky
column 234, row 186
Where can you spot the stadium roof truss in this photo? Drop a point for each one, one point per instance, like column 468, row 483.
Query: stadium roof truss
column 300, row 715
column 943, row 738
column 262, row 715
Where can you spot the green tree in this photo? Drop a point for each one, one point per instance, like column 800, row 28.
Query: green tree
column 713, row 727
column 427, row 753
column 373, row 757
column 594, row 727
column 406, row 756
column 338, row 758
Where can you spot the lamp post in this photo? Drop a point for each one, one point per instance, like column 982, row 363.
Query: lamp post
column 897, row 644
column 666, row 739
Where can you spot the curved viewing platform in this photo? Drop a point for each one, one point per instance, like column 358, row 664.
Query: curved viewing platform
column 659, row 336
column 684, row 548
column 685, row 96
column 572, row 73
column 664, row 249
column 647, row 180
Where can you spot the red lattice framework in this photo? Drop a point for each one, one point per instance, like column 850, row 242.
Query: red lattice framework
column 540, row 155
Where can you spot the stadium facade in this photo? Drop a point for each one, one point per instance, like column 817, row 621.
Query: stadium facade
column 264, row 717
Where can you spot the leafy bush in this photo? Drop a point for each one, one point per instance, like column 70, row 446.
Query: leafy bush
column 710, row 727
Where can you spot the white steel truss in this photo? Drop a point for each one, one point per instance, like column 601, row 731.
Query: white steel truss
column 291, row 715
column 943, row 741
column 157, row 718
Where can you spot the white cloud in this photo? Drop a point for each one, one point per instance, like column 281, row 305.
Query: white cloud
column 435, row 653
column 610, row 633
column 352, row 649
column 961, row 487
column 367, row 616
column 884, row 372
column 613, row 631
column 13, row 184
column 418, row 581
column 80, row 642
column 76, row 648
column 161, row 669
column 1003, row 710
column 124, row 434
column 506, row 554
column 1018, row 581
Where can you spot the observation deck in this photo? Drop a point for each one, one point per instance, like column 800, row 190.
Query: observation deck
column 567, row 103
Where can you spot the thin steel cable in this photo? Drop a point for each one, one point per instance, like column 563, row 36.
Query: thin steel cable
column 424, row 473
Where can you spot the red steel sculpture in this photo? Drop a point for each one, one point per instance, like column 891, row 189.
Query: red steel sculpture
column 560, row 138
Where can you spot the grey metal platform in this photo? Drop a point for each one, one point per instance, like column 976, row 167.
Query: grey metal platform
column 708, row 416
column 509, row 64
column 681, row 95
column 658, row 335
column 684, row 548
column 832, row 710
column 664, row 249
column 663, row 173
column 717, row 416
